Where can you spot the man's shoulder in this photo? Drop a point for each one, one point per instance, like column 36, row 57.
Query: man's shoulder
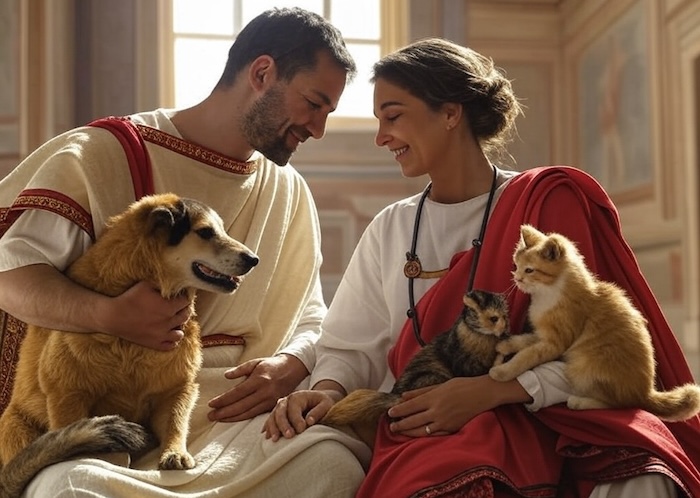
column 156, row 118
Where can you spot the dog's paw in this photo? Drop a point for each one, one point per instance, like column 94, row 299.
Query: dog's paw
column 175, row 460
column 501, row 373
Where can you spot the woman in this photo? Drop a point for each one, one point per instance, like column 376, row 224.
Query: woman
column 443, row 110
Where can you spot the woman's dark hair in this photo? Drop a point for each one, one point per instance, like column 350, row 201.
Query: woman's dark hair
column 293, row 37
column 439, row 71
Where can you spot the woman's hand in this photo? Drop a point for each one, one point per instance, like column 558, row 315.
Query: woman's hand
column 298, row 411
column 445, row 408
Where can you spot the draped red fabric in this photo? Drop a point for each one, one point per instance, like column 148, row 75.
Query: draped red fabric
column 555, row 451
column 135, row 149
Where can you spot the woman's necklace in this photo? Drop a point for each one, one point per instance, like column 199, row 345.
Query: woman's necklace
column 413, row 268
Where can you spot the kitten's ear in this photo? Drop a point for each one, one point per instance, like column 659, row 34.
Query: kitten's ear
column 552, row 250
column 471, row 299
column 530, row 236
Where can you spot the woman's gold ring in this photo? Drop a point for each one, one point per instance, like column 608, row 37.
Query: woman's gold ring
column 427, row 430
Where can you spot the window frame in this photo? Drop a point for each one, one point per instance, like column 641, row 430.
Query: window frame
column 393, row 34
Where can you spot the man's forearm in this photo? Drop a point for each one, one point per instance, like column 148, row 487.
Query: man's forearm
column 41, row 295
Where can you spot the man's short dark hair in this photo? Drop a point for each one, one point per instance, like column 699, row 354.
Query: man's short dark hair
column 293, row 37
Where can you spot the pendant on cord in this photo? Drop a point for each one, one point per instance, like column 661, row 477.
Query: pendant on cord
column 412, row 268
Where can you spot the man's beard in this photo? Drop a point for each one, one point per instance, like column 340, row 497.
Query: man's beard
column 261, row 125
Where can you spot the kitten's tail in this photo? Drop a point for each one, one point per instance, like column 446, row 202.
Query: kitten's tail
column 361, row 410
column 680, row 403
column 108, row 434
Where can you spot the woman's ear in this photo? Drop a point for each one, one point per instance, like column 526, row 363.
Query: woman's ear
column 453, row 114
column 262, row 73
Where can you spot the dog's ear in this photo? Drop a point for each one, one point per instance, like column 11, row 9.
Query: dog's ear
column 173, row 219
column 160, row 217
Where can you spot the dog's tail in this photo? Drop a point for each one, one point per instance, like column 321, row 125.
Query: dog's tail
column 107, row 434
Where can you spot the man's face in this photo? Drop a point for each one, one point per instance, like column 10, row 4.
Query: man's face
column 290, row 112
column 266, row 129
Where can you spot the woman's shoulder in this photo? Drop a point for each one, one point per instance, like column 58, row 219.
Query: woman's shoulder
column 400, row 209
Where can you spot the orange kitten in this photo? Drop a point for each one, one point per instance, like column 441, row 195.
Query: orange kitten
column 590, row 324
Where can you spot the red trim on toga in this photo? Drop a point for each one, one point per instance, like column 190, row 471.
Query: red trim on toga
column 12, row 330
column 135, row 149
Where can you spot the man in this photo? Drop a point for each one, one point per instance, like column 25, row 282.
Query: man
column 285, row 73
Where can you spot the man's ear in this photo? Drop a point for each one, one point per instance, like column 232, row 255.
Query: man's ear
column 262, row 73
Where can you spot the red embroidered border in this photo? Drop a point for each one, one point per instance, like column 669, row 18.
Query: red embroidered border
column 628, row 462
column 10, row 340
column 202, row 154
column 55, row 202
column 222, row 340
column 477, row 483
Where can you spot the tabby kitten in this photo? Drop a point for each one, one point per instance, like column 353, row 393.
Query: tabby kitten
column 467, row 349
column 593, row 326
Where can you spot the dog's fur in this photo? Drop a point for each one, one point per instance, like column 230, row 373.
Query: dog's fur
column 76, row 381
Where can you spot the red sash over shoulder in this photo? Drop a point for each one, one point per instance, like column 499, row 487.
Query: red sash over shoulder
column 556, row 451
column 12, row 330
column 135, row 149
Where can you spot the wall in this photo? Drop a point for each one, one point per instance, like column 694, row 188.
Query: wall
column 611, row 88
column 64, row 62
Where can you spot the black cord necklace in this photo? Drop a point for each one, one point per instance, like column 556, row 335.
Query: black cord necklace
column 413, row 269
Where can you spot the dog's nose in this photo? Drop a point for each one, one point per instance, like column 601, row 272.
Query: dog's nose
column 250, row 259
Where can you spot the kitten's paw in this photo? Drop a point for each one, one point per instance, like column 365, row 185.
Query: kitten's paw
column 506, row 347
column 175, row 460
column 499, row 360
column 583, row 403
column 501, row 373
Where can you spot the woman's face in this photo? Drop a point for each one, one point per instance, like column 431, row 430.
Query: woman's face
column 412, row 131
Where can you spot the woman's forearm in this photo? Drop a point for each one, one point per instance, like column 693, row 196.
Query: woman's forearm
column 335, row 390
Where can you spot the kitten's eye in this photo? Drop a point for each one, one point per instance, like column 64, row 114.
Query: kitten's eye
column 206, row 233
column 529, row 270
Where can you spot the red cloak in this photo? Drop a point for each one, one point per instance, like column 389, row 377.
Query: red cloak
column 559, row 452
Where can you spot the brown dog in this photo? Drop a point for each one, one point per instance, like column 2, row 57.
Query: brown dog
column 178, row 245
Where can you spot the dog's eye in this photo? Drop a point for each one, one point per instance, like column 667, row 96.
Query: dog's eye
column 205, row 233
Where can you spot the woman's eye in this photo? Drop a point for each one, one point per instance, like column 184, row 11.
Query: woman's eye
column 392, row 118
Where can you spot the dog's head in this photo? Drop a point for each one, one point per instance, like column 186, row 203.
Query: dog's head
column 193, row 246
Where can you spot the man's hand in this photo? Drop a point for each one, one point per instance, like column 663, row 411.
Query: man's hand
column 142, row 316
column 301, row 409
column 266, row 380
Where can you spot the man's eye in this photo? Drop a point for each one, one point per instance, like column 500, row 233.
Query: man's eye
column 313, row 104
